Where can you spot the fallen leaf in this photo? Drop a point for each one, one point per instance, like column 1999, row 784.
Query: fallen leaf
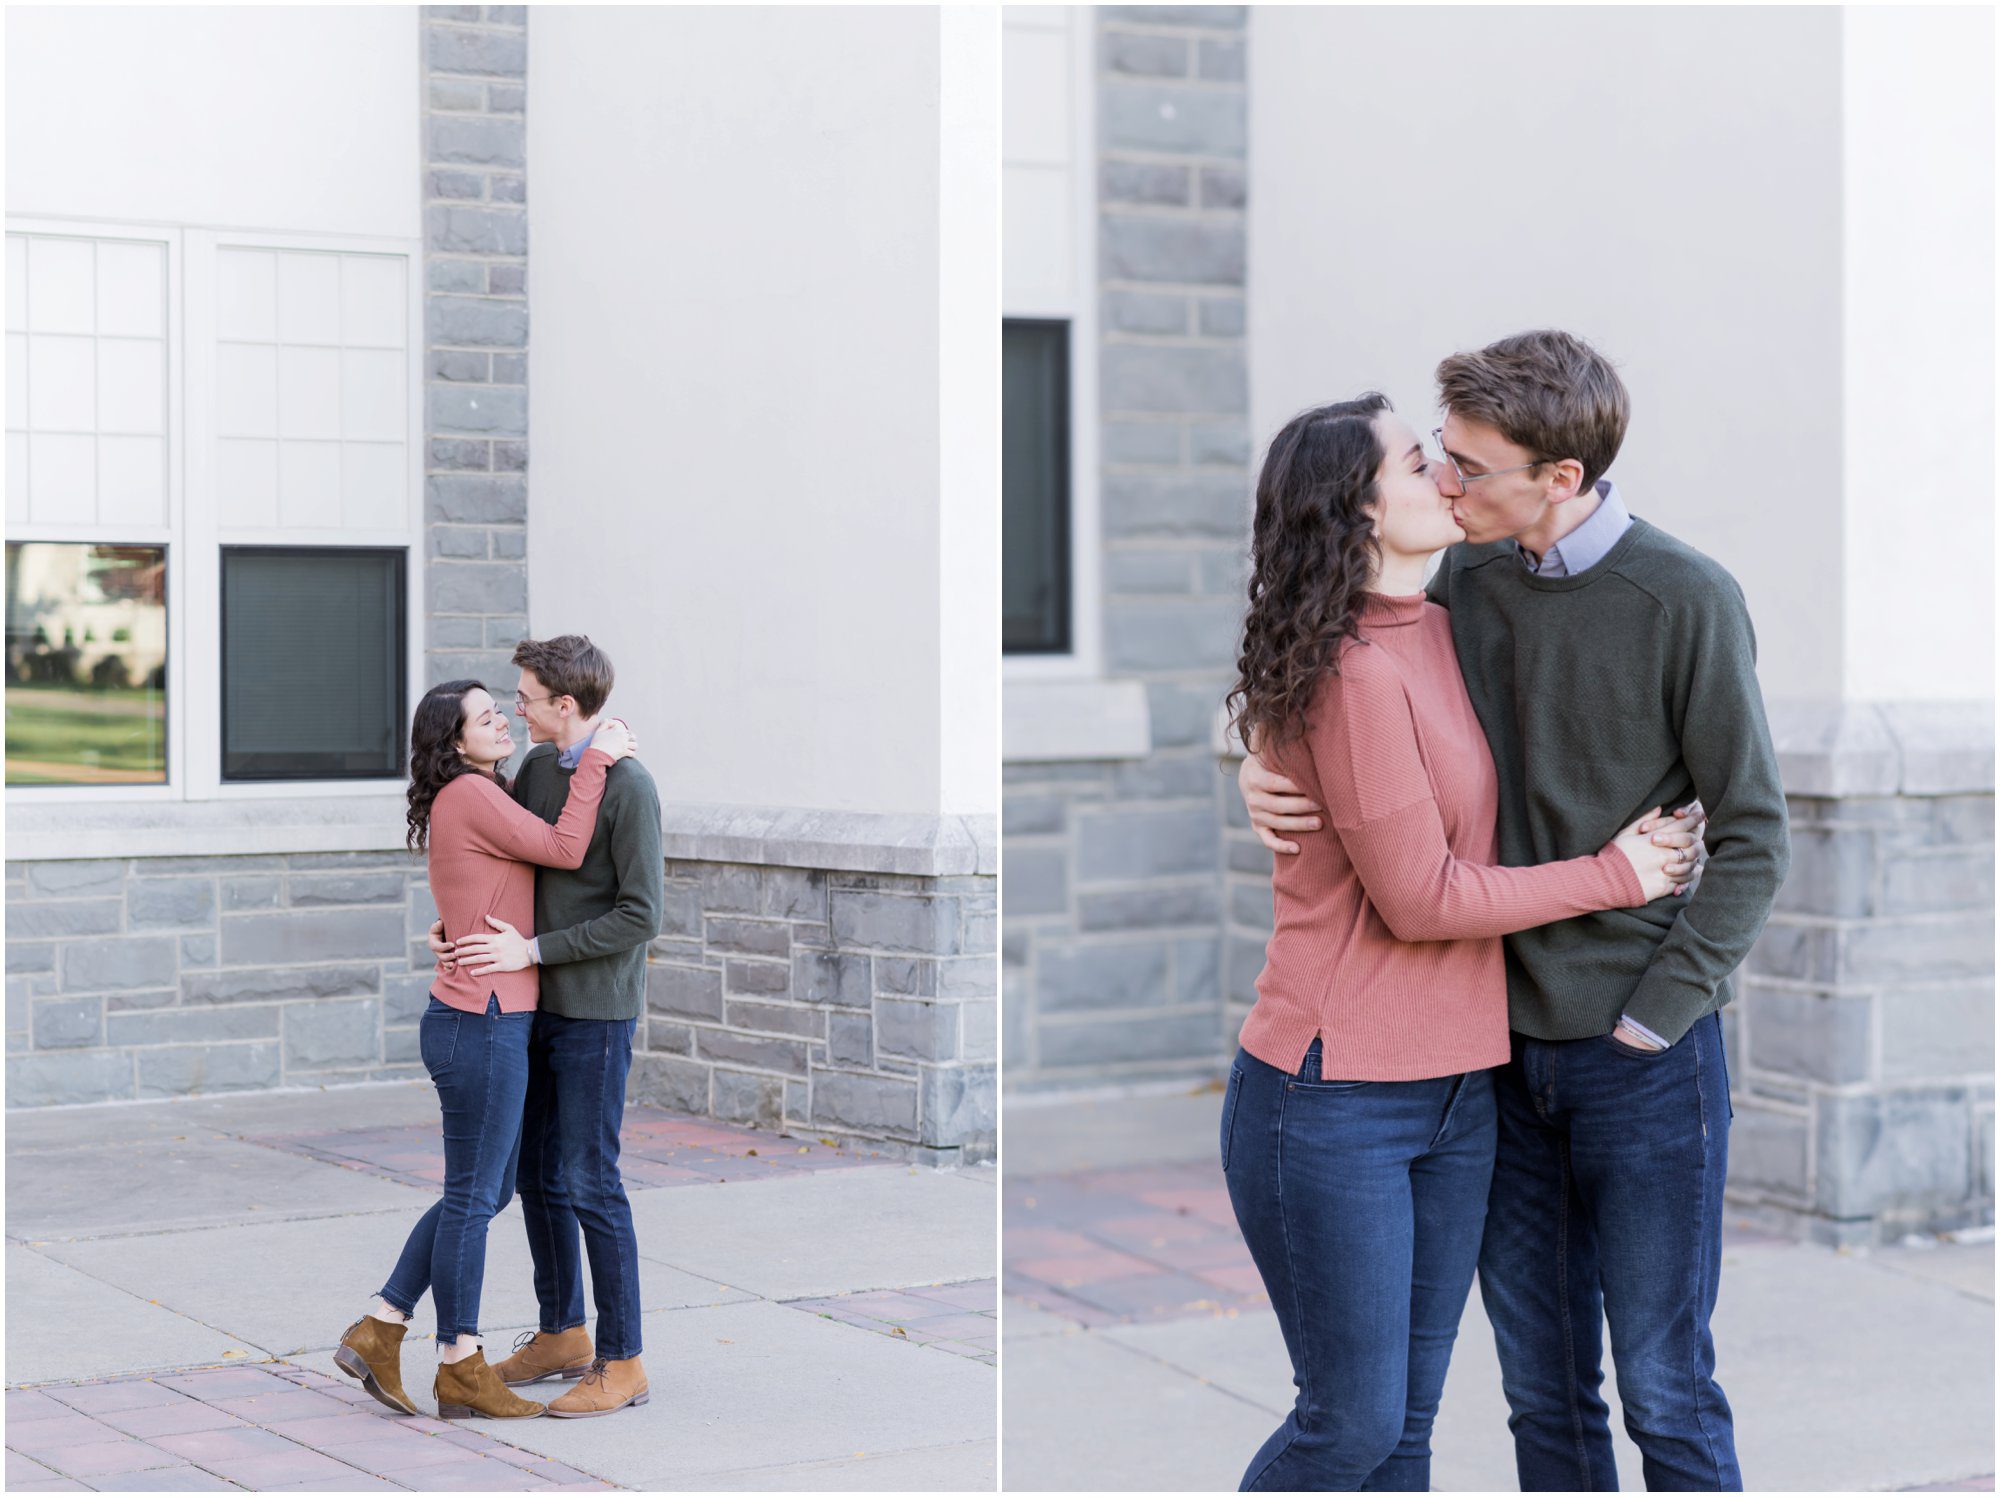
column 752, row 1154
column 896, row 1330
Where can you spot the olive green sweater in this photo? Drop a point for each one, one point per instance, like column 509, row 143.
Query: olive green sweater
column 1627, row 686
column 594, row 923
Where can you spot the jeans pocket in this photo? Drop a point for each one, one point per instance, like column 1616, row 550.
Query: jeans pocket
column 1633, row 1050
column 437, row 1039
column 1230, row 1097
column 1308, row 1073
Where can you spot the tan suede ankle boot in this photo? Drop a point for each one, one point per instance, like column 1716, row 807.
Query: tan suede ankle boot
column 468, row 1387
column 372, row 1351
column 545, row 1354
column 605, row 1389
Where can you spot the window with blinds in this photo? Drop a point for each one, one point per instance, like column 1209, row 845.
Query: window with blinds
column 1034, row 481
column 314, row 644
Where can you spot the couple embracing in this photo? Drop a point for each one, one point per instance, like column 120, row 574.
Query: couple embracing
column 1487, row 1031
column 549, row 889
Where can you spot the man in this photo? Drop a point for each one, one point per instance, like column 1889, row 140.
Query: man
column 592, row 927
column 1612, row 668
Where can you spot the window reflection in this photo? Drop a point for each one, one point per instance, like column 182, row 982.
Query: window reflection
column 86, row 664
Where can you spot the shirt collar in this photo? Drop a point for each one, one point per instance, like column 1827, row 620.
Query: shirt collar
column 1588, row 544
column 572, row 756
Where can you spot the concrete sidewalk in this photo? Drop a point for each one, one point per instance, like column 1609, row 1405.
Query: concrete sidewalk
column 1141, row 1353
column 178, row 1274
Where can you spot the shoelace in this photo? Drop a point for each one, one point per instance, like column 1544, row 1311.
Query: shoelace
column 523, row 1339
column 597, row 1373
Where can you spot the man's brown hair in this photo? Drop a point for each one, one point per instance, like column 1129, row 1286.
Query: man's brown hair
column 569, row 666
column 1547, row 391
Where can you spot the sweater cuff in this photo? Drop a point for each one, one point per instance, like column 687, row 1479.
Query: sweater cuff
column 1624, row 878
column 535, row 950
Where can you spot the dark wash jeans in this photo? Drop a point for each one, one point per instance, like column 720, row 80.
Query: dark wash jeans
column 1607, row 1204
column 567, row 1173
column 479, row 1063
column 1361, row 1202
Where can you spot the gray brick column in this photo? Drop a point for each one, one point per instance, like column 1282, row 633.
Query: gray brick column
column 1112, row 947
column 476, row 338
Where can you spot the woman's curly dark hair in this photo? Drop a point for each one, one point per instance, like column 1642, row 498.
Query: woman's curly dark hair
column 434, row 757
column 1312, row 554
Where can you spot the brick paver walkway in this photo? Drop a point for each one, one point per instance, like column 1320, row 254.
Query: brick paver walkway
column 1103, row 1247
column 269, row 1428
column 1151, row 1243
column 656, row 1148
column 956, row 1318
column 277, row 1426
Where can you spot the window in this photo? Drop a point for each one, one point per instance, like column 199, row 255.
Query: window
column 214, row 488
column 313, row 651
column 86, row 664
column 1035, row 468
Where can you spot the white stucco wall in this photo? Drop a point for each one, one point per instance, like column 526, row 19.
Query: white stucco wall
column 298, row 118
column 1663, row 181
column 968, row 602
column 1918, row 433
column 735, row 410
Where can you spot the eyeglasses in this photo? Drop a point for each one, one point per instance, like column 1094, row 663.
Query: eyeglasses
column 1465, row 480
column 521, row 703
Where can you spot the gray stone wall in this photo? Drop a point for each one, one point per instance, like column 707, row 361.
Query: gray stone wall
column 856, row 1005
column 841, row 1004
column 475, row 194
column 161, row 977
column 1114, row 890
column 1861, row 1038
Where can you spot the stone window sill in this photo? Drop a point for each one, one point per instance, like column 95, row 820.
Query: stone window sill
column 1052, row 720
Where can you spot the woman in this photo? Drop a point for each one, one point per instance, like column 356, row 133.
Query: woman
column 1358, row 1125
column 474, row 1032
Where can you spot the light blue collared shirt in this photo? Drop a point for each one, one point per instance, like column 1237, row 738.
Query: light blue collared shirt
column 1588, row 544
column 568, row 758
column 1579, row 551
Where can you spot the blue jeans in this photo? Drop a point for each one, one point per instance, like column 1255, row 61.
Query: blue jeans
column 479, row 1063
column 1607, row 1205
column 567, row 1174
column 1361, row 1202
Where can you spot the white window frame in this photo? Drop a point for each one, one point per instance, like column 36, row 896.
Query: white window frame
column 193, row 535
column 168, row 535
column 1063, row 706
column 1085, row 658
column 204, row 527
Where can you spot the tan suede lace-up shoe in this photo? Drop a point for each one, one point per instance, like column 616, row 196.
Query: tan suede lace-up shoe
column 605, row 1389
column 371, row 1350
column 468, row 1387
column 545, row 1354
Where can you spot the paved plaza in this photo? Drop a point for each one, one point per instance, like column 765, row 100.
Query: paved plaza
column 178, row 1274
column 1141, row 1353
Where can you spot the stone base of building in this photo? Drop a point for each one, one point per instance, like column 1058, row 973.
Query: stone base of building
column 848, row 1003
column 840, row 1004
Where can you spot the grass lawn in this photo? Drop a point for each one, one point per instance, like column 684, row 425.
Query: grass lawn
column 85, row 737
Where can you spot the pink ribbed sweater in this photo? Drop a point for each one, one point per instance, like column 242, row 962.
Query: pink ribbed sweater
column 483, row 853
column 1387, row 937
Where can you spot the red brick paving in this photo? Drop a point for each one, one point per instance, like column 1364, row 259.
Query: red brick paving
column 657, row 1148
column 274, row 1427
column 956, row 1318
column 1102, row 1247
column 1137, row 1244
